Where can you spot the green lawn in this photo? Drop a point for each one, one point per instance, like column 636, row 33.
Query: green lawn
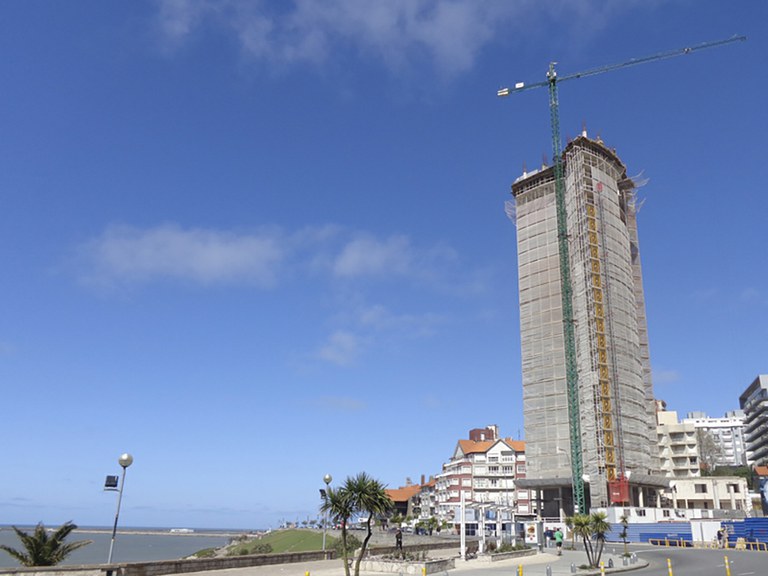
column 285, row 541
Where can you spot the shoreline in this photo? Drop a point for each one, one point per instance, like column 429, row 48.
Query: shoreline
column 149, row 532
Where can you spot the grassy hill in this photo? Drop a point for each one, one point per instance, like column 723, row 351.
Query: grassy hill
column 284, row 541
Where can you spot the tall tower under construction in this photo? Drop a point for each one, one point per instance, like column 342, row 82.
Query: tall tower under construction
column 616, row 412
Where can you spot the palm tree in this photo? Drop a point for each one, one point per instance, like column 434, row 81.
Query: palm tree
column 42, row 549
column 599, row 525
column 582, row 528
column 592, row 529
column 360, row 494
column 624, row 531
column 367, row 495
column 339, row 507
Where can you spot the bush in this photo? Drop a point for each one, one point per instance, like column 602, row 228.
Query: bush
column 205, row 553
column 353, row 543
column 245, row 550
column 408, row 556
column 509, row 547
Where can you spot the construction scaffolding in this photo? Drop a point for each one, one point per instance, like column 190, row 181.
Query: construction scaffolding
column 610, row 337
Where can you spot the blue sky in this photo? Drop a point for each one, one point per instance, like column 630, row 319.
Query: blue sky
column 253, row 243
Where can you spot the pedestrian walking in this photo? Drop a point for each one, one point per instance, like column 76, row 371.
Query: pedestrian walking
column 559, row 541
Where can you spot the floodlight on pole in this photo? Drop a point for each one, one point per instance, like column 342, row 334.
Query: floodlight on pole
column 125, row 460
column 327, row 479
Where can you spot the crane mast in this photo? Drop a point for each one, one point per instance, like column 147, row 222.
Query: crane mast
column 571, row 370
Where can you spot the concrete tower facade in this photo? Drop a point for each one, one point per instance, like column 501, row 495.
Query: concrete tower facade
column 615, row 392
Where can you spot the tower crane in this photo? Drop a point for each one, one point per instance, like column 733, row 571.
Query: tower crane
column 571, row 372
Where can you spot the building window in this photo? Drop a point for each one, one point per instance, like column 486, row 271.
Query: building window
column 700, row 488
column 665, row 513
column 521, row 468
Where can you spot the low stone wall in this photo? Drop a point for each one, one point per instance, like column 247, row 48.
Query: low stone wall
column 55, row 571
column 403, row 567
column 163, row 567
column 499, row 556
column 205, row 564
column 384, row 550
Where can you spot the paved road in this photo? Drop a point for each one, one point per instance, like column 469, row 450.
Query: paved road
column 652, row 562
column 687, row 562
column 532, row 566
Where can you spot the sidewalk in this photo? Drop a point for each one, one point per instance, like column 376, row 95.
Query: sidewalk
column 532, row 566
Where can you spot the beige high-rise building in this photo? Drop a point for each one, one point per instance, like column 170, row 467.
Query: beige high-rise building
column 616, row 407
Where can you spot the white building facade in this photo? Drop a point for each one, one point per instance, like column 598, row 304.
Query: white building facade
column 484, row 469
column 754, row 403
column 678, row 446
column 727, row 433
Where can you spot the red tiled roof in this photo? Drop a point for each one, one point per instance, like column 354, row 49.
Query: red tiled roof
column 516, row 445
column 472, row 447
column 404, row 493
column 761, row 470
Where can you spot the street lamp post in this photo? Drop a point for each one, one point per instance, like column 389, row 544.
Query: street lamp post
column 327, row 479
column 125, row 460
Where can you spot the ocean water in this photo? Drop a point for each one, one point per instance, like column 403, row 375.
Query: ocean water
column 131, row 545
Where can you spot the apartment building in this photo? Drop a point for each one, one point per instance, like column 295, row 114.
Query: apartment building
column 723, row 437
column 483, row 468
column 754, row 403
column 678, row 446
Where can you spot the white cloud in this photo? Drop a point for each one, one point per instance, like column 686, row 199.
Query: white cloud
column 134, row 255
column 392, row 257
column 448, row 33
column 367, row 256
column 130, row 255
column 752, row 296
column 342, row 348
column 379, row 318
column 178, row 18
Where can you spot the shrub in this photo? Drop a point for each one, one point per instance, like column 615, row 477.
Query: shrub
column 509, row 547
column 353, row 543
column 205, row 553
